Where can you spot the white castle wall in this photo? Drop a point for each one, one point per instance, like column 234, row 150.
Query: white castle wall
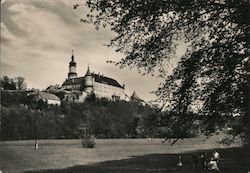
column 104, row 90
column 53, row 102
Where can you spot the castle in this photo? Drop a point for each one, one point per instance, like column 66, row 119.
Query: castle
column 100, row 85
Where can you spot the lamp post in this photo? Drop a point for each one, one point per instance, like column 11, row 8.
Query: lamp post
column 39, row 107
column 36, row 143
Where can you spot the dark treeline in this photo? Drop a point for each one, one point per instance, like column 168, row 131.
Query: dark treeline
column 22, row 118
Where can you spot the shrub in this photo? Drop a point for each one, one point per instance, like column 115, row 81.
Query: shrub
column 88, row 142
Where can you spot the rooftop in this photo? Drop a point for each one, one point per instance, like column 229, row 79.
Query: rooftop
column 45, row 95
column 97, row 77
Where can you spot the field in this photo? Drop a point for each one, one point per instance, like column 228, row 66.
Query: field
column 116, row 155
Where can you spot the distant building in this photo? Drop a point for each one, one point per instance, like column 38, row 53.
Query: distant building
column 100, row 85
column 52, row 88
column 135, row 98
column 47, row 97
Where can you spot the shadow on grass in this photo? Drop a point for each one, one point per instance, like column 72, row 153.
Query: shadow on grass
column 233, row 160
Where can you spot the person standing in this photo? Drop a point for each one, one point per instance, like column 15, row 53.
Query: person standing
column 213, row 165
column 179, row 164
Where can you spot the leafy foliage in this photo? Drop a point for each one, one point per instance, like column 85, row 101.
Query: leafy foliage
column 22, row 118
column 88, row 142
column 211, row 78
column 8, row 83
column 17, row 83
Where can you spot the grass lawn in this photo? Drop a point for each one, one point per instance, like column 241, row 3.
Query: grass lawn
column 115, row 155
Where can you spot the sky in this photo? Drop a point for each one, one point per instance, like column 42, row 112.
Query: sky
column 37, row 39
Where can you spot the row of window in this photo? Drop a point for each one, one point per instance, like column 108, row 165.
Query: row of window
column 72, row 86
column 105, row 91
column 98, row 88
column 111, row 88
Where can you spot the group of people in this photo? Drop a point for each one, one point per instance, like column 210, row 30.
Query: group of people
column 203, row 161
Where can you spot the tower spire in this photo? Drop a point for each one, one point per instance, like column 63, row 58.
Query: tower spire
column 88, row 72
column 72, row 57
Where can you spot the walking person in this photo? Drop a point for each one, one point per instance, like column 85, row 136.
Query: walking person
column 203, row 163
column 179, row 164
column 195, row 160
column 216, row 156
column 206, row 161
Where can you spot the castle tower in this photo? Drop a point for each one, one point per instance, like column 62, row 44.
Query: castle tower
column 134, row 96
column 72, row 68
column 88, row 82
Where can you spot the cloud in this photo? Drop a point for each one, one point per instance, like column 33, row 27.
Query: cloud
column 6, row 34
column 7, row 67
column 37, row 39
column 20, row 8
column 2, row 1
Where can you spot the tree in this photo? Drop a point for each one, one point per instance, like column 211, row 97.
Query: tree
column 17, row 83
column 149, row 122
column 212, row 73
column 8, row 83
column 20, row 83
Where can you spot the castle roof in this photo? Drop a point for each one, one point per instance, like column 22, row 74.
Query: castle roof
column 77, row 80
column 135, row 96
column 88, row 72
column 106, row 80
column 98, row 78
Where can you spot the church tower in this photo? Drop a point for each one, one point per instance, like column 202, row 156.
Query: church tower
column 88, row 82
column 72, row 68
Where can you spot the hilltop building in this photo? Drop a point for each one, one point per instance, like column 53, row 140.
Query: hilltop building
column 135, row 98
column 100, row 85
column 47, row 97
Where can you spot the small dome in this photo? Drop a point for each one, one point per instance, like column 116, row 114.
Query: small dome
column 72, row 63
